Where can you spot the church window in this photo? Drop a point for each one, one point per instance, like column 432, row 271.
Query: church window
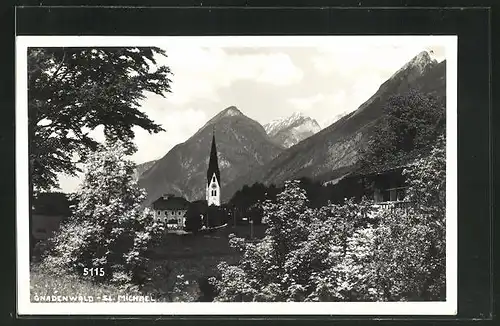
column 214, row 192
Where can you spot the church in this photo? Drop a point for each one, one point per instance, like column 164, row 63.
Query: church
column 172, row 209
column 213, row 177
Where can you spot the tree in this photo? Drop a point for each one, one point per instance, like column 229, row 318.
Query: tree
column 73, row 90
column 306, row 254
column 411, row 121
column 215, row 216
column 261, row 274
column 194, row 220
column 427, row 182
column 248, row 200
column 108, row 229
column 427, row 189
column 52, row 203
column 346, row 252
column 315, row 191
column 409, row 256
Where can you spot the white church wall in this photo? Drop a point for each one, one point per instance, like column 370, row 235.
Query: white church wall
column 213, row 187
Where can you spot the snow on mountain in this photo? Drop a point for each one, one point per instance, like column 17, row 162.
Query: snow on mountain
column 417, row 66
column 242, row 145
column 290, row 130
column 336, row 147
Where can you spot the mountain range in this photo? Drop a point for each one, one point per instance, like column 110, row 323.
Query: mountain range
column 330, row 153
column 284, row 132
column 242, row 145
column 141, row 168
column 283, row 149
column 291, row 130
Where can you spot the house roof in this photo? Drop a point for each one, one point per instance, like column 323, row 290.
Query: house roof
column 394, row 164
column 171, row 203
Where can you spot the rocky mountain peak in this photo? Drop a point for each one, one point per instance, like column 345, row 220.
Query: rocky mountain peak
column 421, row 62
column 242, row 145
column 276, row 125
column 297, row 115
column 290, row 130
column 229, row 112
column 333, row 152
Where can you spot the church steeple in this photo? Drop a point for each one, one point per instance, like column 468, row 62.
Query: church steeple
column 213, row 164
column 213, row 176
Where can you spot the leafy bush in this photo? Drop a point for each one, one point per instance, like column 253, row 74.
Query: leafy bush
column 410, row 244
column 108, row 229
column 348, row 252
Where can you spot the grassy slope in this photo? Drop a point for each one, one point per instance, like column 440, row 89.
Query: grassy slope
column 194, row 257
column 46, row 284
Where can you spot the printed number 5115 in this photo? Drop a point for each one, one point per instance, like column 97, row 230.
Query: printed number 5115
column 93, row 271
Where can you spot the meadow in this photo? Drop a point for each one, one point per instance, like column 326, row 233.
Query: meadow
column 180, row 266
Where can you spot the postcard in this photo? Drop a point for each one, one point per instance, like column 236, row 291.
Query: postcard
column 236, row 175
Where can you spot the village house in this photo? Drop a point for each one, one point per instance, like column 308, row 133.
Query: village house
column 171, row 210
column 385, row 183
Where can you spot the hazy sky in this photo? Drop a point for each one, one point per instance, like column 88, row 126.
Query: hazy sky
column 265, row 83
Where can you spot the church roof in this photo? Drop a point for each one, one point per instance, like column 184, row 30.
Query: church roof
column 213, row 164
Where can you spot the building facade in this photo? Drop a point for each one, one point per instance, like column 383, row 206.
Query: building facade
column 171, row 210
column 385, row 183
column 213, row 177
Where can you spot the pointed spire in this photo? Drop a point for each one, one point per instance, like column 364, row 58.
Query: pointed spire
column 213, row 164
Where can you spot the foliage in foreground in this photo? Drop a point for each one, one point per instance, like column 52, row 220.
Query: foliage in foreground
column 44, row 284
column 179, row 280
column 74, row 90
column 108, row 229
column 348, row 252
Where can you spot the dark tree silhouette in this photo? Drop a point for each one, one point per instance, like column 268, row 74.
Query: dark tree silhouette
column 74, row 90
column 412, row 121
column 247, row 201
column 193, row 219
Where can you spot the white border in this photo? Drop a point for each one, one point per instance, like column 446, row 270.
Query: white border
column 25, row 307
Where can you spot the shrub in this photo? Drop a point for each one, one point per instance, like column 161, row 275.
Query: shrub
column 108, row 229
column 348, row 252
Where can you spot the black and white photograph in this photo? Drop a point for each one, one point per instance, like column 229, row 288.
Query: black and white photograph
column 237, row 175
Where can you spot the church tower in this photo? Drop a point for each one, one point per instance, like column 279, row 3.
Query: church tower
column 213, row 176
